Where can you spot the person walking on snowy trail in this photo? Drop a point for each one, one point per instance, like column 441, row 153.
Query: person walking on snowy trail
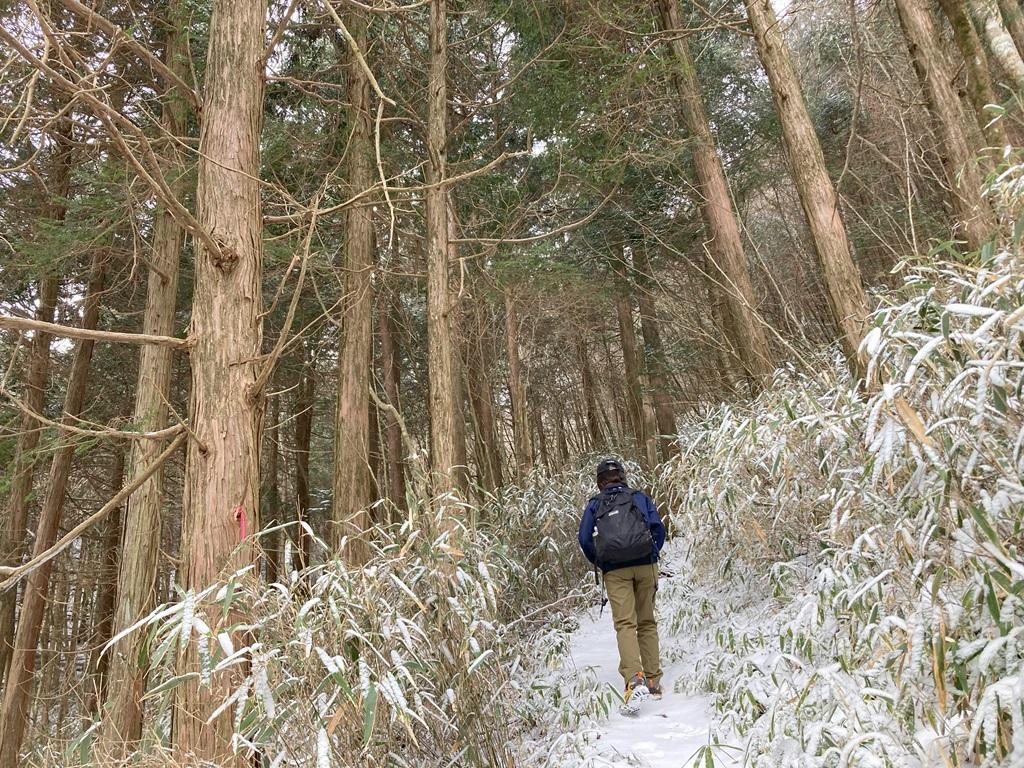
column 622, row 534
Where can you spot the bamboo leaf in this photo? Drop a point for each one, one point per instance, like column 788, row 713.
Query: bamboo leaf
column 172, row 683
column 369, row 713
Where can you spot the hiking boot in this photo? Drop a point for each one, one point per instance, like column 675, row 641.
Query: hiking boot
column 655, row 690
column 635, row 695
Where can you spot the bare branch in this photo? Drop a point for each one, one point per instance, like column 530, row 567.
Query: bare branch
column 118, row 35
column 358, row 53
column 281, row 27
column 14, row 575
column 543, row 235
column 108, row 432
column 268, row 368
column 27, row 324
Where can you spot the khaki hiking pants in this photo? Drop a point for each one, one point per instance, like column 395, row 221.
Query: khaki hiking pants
column 631, row 592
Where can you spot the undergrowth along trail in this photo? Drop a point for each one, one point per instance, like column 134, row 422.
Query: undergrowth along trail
column 852, row 581
column 876, row 537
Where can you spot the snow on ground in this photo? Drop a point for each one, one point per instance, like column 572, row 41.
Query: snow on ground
column 671, row 733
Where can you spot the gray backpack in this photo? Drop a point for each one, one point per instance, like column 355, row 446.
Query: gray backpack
column 621, row 534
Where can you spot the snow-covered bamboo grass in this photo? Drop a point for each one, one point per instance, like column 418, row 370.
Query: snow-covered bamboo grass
column 424, row 657
column 861, row 555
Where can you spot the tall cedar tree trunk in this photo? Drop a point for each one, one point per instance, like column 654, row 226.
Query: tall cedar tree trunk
column 49, row 653
column 17, row 693
column 458, row 376
column 271, row 513
column 958, row 151
column 75, row 619
column 222, row 465
column 718, row 317
column 45, row 664
column 979, row 79
column 630, row 361
column 517, row 392
column 560, row 436
column 1003, row 48
column 654, row 355
column 140, row 548
column 351, row 482
column 843, row 286
column 589, row 397
column 650, row 418
column 15, row 520
column 467, row 382
column 725, row 246
column 376, row 466
column 103, row 616
column 440, row 354
column 303, row 425
column 1013, row 17
column 481, row 395
column 390, row 359
column 455, row 322
column 537, row 428
column 614, row 391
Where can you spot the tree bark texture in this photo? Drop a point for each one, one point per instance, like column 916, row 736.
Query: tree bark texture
column 614, row 391
column 481, row 395
column 351, row 480
column 719, row 320
column 654, row 355
column 843, row 286
column 631, row 366
column 1013, row 17
column 959, row 154
column 517, row 392
column 1003, row 48
column 376, row 467
column 17, row 693
column 303, row 425
column 271, row 513
column 725, row 246
column 540, row 437
column 979, row 79
column 103, row 616
column 589, row 396
column 391, row 375
column 221, row 498
column 455, row 322
column 440, row 353
column 140, row 547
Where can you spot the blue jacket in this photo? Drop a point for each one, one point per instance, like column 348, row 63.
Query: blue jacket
column 646, row 505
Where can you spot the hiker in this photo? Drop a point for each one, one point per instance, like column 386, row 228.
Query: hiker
column 622, row 534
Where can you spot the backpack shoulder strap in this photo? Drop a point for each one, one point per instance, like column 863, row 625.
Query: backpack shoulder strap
column 615, row 500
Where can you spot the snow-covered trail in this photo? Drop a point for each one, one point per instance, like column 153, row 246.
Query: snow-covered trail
column 666, row 734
